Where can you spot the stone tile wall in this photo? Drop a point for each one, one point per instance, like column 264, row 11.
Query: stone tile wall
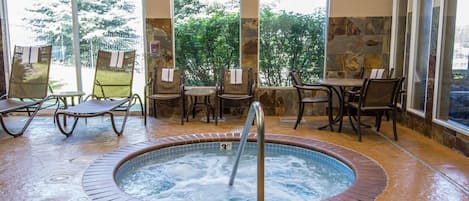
column 356, row 42
column 445, row 136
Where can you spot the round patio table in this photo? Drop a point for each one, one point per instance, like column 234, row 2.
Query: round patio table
column 341, row 84
column 204, row 93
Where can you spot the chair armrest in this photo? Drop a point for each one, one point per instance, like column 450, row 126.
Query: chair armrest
column 87, row 97
column 150, row 81
column 252, row 90
column 96, row 82
column 182, row 89
column 313, row 87
column 353, row 92
column 218, row 89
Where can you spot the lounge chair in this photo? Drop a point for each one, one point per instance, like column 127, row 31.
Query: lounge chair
column 28, row 84
column 112, row 91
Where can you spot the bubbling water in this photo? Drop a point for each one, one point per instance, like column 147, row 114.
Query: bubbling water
column 204, row 175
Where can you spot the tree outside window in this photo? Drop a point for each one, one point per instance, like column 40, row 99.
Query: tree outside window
column 206, row 38
column 292, row 38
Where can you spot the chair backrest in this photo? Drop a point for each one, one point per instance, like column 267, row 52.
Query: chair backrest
column 167, row 87
column 379, row 92
column 376, row 73
column 114, row 74
column 245, row 87
column 30, row 72
column 390, row 72
column 297, row 82
column 296, row 79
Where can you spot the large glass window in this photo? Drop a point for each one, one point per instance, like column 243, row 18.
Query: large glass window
column 206, row 38
column 35, row 23
column 292, row 37
column 401, row 46
column 453, row 77
column 103, row 24
column 112, row 26
column 421, row 50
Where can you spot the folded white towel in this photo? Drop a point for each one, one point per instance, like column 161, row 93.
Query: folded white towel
column 34, row 56
column 167, row 74
column 380, row 74
column 117, row 59
column 25, row 55
column 30, row 55
column 236, row 76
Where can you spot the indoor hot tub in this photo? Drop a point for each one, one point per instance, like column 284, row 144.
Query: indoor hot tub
column 198, row 167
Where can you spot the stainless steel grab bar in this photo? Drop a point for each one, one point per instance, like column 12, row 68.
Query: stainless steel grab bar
column 256, row 109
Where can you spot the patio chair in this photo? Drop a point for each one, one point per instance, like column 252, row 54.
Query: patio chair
column 112, row 91
column 377, row 96
column 303, row 99
column 375, row 73
column 28, row 84
column 165, row 85
column 234, row 85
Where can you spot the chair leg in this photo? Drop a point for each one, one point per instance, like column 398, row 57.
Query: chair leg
column 331, row 120
column 154, row 108
column 25, row 126
column 300, row 114
column 394, row 129
column 124, row 121
column 221, row 108
column 137, row 97
column 62, row 128
column 15, row 134
column 359, row 123
column 217, row 109
column 341, row 120
column 145, row 113
column 183, row 110
column 351, row 118
column 378, row 120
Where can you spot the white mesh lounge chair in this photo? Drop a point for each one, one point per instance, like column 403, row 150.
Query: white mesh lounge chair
column 28, row 84
column 112, row 91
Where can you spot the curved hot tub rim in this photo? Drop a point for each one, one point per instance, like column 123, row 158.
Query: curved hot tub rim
column 99, row 183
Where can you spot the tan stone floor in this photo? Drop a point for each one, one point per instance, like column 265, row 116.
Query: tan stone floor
column 45, row 165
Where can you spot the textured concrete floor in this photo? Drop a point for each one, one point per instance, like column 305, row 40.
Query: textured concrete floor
column 45, row 165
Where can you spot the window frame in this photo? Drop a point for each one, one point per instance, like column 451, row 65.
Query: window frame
column 439, row 72
column 7, row 46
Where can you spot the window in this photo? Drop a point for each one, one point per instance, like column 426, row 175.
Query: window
column 452, row 94
column 35, row 23
column 400, row 48
column 292, row 37
column 419, row 53
column 111, row 26
column 206, row 38
column 107, row 25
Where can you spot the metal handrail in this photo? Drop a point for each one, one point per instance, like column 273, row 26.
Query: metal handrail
column 256, row 109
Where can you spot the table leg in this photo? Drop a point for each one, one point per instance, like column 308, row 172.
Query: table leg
column 340, row 113
column 191, row 109
column 65, row 107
